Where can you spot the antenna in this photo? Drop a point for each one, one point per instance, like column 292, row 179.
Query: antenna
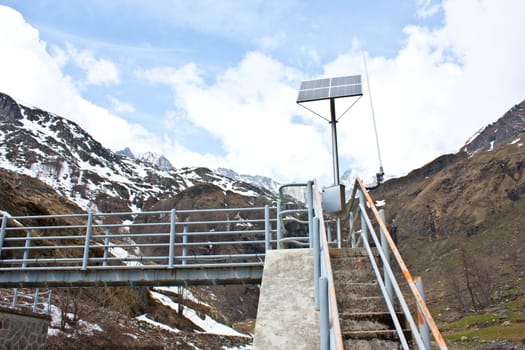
column 381, row 173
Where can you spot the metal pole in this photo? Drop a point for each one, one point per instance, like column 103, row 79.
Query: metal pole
column 27, row 245
column 324, row 317
column 171, row 250
column 106, row 247
column 424, row 329
column 279, row 224
column 338, row 225
column 386, row 250
column 48, row 307
column 335, row 154
column 86, row 244
column 15, row 297
column 317, row 261
column 352, row 233
column 310, row 206
column 362, row 205
column 267, row 229
column 184, row 243
column 35, row 301
column 2, row 231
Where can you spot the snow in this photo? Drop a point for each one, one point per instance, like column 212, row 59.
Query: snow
column 82, row 327
column 491, row 146
column 380, row 203
column 144, row 318
column 186, row 293
column 208, row 324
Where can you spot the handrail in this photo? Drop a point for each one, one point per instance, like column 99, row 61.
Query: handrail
column 408, row 277
column 336, row 339
column 86, row 240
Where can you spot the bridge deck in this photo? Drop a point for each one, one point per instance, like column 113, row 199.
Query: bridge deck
column 249, row 273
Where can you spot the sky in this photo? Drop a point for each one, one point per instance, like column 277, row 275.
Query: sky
column 215, row 83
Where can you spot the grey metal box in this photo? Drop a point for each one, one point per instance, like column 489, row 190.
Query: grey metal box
column 333, row 198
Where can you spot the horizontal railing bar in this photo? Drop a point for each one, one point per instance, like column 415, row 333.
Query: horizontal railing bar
column 141, row 267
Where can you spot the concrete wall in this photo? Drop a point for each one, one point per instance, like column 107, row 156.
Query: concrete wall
column 22, row 331
column 286, row 315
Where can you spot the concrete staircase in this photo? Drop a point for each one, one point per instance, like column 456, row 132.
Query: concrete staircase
column 364, row 317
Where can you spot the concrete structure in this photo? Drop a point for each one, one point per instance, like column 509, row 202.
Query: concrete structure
column 22, row 330
column 286, row 315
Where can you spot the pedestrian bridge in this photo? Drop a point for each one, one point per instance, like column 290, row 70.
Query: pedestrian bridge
column 228, row 246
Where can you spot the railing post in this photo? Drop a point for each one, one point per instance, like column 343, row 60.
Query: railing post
column 27, row 245
column 310, row 207
column 353, row 241
column 279, row 224
column 364, row 228
column 88, row 238
column 424, row 329
column 267, row 229
column 328, row 234
column 386, row 250
column 317, row 261
column 184, row 243
column 2, row 231
column 35, row 302
column 324, row 318
column 171, row 250
column 15, row 297
column 106, row 247
column 338, row 232
column 48, row 307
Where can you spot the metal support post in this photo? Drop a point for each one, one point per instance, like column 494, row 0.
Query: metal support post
column 362, row 203
column 338, row 224
column 279, row 224
column 353, row 240
column 184, row 243
column 424, row 329
column 15, row 297
column 328, row 234
column 324, row 318
column 106, row 247
column 2, row 231
column 48, row 307
column 386, row 250
column 35, row 301
column 310, row 207
column 171, row 251
column 27, row 245
column 86, row 244
column 317, row 261
column 267, row 229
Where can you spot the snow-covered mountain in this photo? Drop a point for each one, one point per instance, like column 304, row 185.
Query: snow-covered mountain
column 257, row 180
column 60, row 153
column 511, row 124
column 148, row 157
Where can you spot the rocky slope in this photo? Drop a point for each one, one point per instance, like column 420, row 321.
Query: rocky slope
column 460, row 225
column 63, row 155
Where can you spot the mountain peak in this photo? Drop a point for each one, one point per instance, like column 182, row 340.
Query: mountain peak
column 511, row 124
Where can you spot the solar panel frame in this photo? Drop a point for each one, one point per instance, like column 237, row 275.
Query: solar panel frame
column 321, row 89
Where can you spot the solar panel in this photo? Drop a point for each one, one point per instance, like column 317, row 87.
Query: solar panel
column 320, row 89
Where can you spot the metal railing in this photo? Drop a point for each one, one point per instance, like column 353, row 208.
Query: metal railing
column 387, row 281
column 34, row 300
column 324, row 288
column 172, row 239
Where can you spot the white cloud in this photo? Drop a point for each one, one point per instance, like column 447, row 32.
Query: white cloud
column 443, row 84
column 250, row 108
column 441, row 87
column 30, row 74
column 427, row 8
column 121, row 106
column 98, row 71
